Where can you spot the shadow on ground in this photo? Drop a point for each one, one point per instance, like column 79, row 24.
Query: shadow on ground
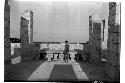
column 63, row 73
column 20, row 71
column 94, row 72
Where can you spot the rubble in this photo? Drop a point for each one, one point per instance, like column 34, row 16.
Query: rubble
column 16, row 58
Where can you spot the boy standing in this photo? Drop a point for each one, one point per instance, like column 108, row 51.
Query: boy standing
column 66, row 50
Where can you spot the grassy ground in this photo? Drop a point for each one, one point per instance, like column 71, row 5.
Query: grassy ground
column 20, row 71
column 94, row 72
column 62, row 73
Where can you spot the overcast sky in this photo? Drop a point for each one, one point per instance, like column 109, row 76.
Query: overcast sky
column 57, row 21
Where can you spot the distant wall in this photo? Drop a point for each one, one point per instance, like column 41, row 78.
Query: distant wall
column 61, row 46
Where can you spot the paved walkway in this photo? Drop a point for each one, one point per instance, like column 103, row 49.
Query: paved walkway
column 42, row 73
column 62, row 73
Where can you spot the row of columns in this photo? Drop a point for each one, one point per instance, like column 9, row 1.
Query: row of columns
column 49, row 56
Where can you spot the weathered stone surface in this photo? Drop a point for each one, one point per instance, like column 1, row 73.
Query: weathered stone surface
column 17, row 53
column 6, row 25
column 16, row 60
column 49, row 56
column 7, row 48
column 7, row 15
column 7, row 7
column 114, row 14
column 95, row 57
column 7, row 53
column 114, row 38
column 113, row 72
column 114, row 29
column 114, row 47
column 95, row 43
column 6, row 42
column 113, row 59
column 55, row 56
column 96, row 28
column 104, row 53
column 24, row 37
column 111, row 20
column 16, row 57
column 112, row 11
column 24, row 22
column 112, row 4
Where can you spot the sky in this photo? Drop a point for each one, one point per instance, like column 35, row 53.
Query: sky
column 57, row 20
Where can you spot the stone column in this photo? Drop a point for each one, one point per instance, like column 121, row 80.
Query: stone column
column 7, row 46
column 24, row 33
column 49, row 55
column 113, row 47
column 72, row 55
column 55, row 56
column 61, row 56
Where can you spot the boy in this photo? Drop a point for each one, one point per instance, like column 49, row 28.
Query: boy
column 66, row 50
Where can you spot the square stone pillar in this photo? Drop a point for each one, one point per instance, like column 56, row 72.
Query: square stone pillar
column 55, row 56
column 49, row 56
column 72, row 55
column 7, row 46
column 61, row 56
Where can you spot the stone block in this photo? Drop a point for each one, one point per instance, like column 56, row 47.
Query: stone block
column 24, row 22
column 113, row 59
column 17, row 53
column 55, row 56
column 96, row 59
column 114, row 38
column 94, row 55
column 114, row 29
column 36, row 56
column 61, row 56
column 112, row 11
column 6, row 25
column 26, row 57
column 7, row 15
column 49, row 56
column 72, row 54
column 113, row 72
column 7, row 53
column 7, row 7
column 6, row 42
column 104, row 53
column 111, row 20
column 16, row 57
column 115, row 48
column 16, row 60
column 111, row 4
column 84, row 57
